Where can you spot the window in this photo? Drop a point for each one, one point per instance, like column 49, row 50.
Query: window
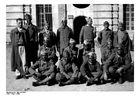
column 44, row 12
column 129, row 16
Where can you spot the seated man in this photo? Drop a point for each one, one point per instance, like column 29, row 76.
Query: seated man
column 86, row 49
column 68, row 71
column 72, row 50
column 117, row 64
column 46, row 69
column 91, row 69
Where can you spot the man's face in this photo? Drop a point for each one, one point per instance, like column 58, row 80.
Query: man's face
column 106, row 26
column 72, row 45
column 120, row 27
column 89, row 22
column 46, row 26
column 64, row 22
column 66, row 57
column 28, row 20
column 19, row 24
column 92, row 58
column 119, row 51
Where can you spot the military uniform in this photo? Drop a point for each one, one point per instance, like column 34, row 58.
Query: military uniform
column 103, row 37
column 68, row 72
column 73, row 53
column 47, row 37
column 91, row 70
column 32, row 37
column 63, row 36
column 87, row 33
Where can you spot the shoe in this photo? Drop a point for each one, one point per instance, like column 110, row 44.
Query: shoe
column 120, row 81
column 60, row 84
column 19, row 77
column 35, row 84
column 89, row 83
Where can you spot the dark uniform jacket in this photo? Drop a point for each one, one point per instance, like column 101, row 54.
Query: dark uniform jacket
column 117, row 61
column 44, row 67
column 126, row 41
column 87, row 68
column 32, row 39
column 72, row 52
column 87, row 33
column 49, row 35
column 68, row 68
column 63, row 37
column 17, row 39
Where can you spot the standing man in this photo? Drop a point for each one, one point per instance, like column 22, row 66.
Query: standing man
column 46, row 36
column 122, row 37
column 32, row 37
column 103, row 37
column 64, row 34
column 88, row 32
column 19, row 44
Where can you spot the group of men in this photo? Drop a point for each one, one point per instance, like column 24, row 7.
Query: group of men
column 34, row 54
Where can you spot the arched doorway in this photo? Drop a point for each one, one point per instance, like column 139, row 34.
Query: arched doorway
column 77, row 25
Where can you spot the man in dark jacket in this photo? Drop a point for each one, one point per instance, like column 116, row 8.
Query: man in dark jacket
column 91, row 69
column 19, row 46
column 103, row 37
column 32, row 39
column 47, row 36
column 64, row 34
column 88, row 32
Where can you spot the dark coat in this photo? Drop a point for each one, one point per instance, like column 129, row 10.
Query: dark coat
column 32, row 41
column 63, row 37
column 50, row 36
column 15, row 38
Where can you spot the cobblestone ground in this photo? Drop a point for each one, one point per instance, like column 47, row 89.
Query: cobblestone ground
column 26, row 85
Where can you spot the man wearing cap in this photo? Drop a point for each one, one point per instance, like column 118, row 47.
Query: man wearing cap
column 46, row 69
column 19, row 46
column 32, row 37
column 103, row 37
column 68, row 73
column 64, row 34
column 91, row 69
column 122, row 37
column 117, row 64
column 47, row 36
column 88, row 32
column 72, row 50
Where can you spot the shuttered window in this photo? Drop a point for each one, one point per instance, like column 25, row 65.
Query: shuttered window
column 44, row 12
column 129, row 16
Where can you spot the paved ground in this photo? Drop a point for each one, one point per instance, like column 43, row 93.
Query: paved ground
column 26, row 85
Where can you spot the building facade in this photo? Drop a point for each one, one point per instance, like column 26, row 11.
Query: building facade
column 75, row 14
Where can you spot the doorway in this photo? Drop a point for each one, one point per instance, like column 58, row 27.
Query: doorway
column 77, row 25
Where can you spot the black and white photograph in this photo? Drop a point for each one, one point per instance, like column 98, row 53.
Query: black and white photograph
column 70, row 47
